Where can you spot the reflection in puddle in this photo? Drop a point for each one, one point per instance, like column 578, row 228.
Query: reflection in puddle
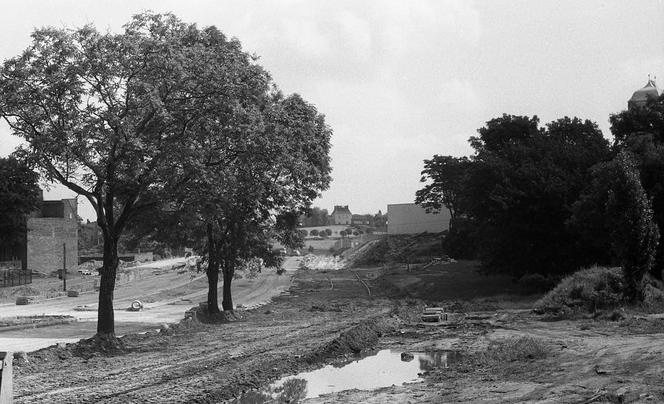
column 383, row 369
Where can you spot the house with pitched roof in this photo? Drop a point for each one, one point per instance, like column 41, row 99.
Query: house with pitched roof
column 341, row 215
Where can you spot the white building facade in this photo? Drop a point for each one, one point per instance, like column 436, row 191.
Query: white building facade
column 411, row 218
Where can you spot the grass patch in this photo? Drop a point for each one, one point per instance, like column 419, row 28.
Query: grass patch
column 585, row 291
column 520, row 349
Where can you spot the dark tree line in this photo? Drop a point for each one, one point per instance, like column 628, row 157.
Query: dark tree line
column 553, row 199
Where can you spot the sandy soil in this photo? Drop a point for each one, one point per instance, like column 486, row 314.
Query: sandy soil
column 327, row 316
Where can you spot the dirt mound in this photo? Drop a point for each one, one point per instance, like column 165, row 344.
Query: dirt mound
column 585, row 291
column 354, row 340
column 417, row 248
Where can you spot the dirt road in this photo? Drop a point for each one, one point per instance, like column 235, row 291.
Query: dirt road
column 505, row 354
column 166, row 295
column 203, row 363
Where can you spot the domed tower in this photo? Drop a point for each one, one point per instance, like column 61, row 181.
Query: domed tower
column 641, row 97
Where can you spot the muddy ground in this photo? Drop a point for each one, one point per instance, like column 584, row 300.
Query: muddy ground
column 507, row 354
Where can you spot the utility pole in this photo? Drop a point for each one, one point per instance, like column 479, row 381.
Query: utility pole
column 64, row 267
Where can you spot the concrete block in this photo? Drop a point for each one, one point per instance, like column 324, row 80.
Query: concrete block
column 431, row 318
column 22, row 300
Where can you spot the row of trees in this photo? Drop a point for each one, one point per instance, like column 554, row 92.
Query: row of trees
column 552, row 199
column 171, row 130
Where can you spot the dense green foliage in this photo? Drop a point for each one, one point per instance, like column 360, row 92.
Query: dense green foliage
column 515, row 194
column 640, row 130
column 445, row 177
column 19, row 195
column 616, row 208
column 315, row 217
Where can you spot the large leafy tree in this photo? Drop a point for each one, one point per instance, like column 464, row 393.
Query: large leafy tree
column 269, row 172
column 617, row 212
column 517, row 191
column 445, row 177
column 107, row 115
column 523, row 189
column 19, row 195
column 640, row 130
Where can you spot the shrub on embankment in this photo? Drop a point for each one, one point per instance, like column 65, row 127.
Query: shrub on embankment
column 585, row 291
column 594, row 289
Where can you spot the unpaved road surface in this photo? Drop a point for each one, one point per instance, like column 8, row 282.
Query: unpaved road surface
column 166, row 295
column 327, row 316
column 203, row 363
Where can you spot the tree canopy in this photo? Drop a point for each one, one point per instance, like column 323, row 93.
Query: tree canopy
column 516, row 192
column 640, row 130
column 117, row 118
column 270, row 173
column 19, row 195
column 618, row 215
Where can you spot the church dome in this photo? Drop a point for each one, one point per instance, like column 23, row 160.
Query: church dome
column 641, row 96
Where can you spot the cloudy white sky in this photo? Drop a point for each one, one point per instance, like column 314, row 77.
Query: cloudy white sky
column 400, row 81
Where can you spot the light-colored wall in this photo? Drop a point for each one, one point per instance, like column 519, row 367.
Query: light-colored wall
column 45, row 238
column 410, row 218
column 342, row 218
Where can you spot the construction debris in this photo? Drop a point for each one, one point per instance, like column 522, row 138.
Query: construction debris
column 136, row 305
column 23, row 300
column 407, row 356
column 434, row 314
column 438, row 314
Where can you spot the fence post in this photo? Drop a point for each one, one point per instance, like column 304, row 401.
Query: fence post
column 6, row 389
column 64, row 267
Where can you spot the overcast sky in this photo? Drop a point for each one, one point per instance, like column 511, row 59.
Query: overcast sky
column 400, row 81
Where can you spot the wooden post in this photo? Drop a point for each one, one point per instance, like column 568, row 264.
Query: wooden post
column 64, row 267
column 6, row 389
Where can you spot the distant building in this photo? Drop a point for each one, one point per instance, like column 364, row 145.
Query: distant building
column 411, row 218
column 643, row 95
column 55, row 224
column 362, row 220
column 341, row 215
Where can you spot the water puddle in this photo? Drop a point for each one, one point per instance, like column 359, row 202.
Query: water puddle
column 385, row 368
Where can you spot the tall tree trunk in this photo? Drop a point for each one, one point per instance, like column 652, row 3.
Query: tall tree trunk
column 212, row 272
column 227, row 301
column 213, row 281
column 106, row 318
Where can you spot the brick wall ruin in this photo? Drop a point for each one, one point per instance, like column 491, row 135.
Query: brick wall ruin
column 45, row 238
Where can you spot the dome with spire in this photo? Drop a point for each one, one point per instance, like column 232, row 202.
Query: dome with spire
column 641, row 97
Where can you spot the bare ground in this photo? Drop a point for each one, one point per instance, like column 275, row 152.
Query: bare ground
column 328, row 315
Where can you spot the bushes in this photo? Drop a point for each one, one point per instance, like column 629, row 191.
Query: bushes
column 587, row 290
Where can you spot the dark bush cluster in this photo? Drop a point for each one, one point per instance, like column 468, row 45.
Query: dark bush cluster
column 585, row 291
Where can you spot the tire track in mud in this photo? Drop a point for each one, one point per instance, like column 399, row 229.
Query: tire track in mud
column 362, row 282
column 200, row 366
